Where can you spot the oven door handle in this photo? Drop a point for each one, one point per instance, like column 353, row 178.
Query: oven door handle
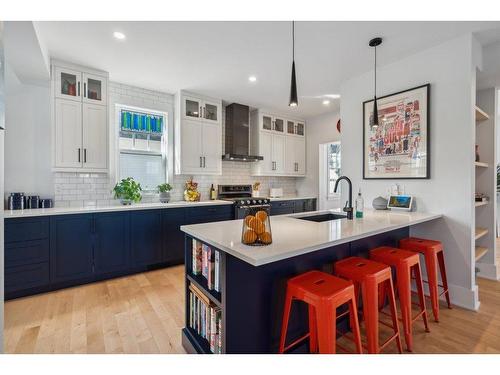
column 256, row 206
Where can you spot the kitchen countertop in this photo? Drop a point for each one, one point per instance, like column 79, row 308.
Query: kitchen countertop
column 292, row 236
column 291, row 198
column 112, row 208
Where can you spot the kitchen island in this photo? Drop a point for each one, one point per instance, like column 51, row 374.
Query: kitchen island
column 253, row 279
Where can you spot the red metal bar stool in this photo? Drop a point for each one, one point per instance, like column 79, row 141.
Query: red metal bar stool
column 369, row 276
column 405, row 262
column 323, row 293
column 434, row 257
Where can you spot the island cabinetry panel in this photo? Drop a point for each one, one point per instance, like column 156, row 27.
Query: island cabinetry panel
column 71, row 249
column 173, row 238
column 146, row 237
column 112, row 242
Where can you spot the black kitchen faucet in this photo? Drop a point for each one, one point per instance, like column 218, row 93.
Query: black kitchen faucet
column 348, row 205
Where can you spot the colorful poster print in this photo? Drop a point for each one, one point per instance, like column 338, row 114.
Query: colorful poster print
column 399, row 146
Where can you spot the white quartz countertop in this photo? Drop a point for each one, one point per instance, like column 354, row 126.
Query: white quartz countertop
column 293, row 237
column 112, row 208
column 291, row 198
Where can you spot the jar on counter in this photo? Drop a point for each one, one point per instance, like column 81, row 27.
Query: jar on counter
column 256, row 228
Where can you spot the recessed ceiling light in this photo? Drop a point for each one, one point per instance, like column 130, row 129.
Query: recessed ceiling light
column 118, row 35
column 326, row 102
column 252, row 79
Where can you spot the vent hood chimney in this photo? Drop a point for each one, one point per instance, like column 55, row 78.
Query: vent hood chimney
column 238, row 134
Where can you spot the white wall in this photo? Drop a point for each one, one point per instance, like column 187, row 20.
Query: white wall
column 320, row 129
column 450, row 71
column 27, row 138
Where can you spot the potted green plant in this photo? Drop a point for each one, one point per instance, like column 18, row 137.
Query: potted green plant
column 128, row 191
column 164, row 190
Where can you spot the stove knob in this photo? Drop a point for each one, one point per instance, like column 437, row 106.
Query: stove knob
column 254, row 201
column 248, row 202
column 260, row 201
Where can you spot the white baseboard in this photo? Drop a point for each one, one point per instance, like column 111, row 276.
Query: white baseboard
column 466, row 298
column 488, row 271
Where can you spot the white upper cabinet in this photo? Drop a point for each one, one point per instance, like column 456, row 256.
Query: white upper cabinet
column 94, row 89
column 68, row 134
column 280, row 141
column 198, row 135
column 80, row 118
column 67, row 84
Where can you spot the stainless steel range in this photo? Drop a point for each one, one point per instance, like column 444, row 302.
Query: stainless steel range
column 241, row 195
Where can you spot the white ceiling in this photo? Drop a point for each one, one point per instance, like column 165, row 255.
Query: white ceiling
column 216, row 58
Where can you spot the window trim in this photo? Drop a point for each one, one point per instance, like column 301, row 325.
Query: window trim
column 332, row 196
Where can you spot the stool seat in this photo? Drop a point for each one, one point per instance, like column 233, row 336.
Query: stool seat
column 323, row 293
column 434, row 259
column 374, row 280
column 393, row 256
column 315, row 286
column 360, row 269
column 421, row 245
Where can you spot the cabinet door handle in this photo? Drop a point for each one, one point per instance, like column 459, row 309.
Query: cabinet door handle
column 199, row 114
column 201, row 162
column 78, row 88
column 84, row 155
column 84, row 89
column 79, row 156
column 204, row 112
column 204, row 162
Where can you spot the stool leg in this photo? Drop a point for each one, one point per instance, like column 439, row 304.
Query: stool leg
column 444, row 279
column 421, row 295
column 394, row 312
column 370, row 312
column 284, row 323
column 432, row 277
column 327, row 330
column 403, row 280
column 353, row 307
column 313, row 330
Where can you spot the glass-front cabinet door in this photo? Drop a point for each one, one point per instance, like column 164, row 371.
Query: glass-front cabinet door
column 267, row 122
column 279, row 125
column 211, row 111
column 300, row 128
column 192, row 108
column 68, row 84
column 94, row 89
column 290, row 127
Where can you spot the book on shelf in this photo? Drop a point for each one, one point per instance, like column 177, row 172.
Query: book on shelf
column 197, row 255
column 207, row 263
column 205, row 318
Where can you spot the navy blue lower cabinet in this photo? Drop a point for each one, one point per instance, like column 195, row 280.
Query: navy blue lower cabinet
column 207, row 214
column 282, row 207
column 112, row 242
column 26, row 277
column 146, row 237
column 71, row 240
column 173, row 238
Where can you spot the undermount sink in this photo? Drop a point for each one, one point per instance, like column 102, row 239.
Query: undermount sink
column 323, row 217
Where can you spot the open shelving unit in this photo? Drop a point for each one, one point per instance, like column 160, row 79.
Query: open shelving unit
column 484, row 228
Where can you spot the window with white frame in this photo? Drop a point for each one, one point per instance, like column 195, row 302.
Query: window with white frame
column 142, row 146
column 333, row 165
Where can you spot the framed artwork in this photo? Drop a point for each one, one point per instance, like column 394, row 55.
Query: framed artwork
column 398, row 148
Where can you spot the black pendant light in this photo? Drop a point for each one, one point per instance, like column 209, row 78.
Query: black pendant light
column 374, row 43
column 293, row 85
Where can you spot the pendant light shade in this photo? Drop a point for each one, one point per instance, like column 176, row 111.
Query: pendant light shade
column 374, row 43
column 293, row 84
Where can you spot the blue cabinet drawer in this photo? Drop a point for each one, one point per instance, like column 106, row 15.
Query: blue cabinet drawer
column 210, row 213
column 26, row 277
column 26, row 229
column 26, row 252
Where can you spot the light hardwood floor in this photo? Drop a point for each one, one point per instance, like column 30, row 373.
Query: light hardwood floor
column 144, row 314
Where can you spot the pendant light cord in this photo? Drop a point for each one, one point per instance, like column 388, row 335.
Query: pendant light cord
column 293, row 40
column 375, row 72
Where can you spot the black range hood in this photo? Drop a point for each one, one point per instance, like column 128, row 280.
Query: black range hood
column 238, row 134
